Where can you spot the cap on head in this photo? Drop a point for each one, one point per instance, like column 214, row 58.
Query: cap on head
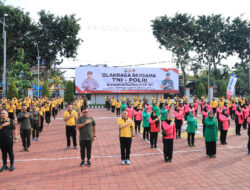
column 167, row 74
column 90, row 72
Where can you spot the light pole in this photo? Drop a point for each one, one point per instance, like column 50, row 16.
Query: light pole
column 38, row 63
column 4, row 56
column 208, row 81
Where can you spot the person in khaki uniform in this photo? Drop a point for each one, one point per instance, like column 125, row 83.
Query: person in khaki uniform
column 70, row 116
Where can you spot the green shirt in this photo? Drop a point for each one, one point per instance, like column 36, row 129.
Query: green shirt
column 163, row 114
column 86, row 132
column 145, row 117
column 211, row 130
column 157, row 110
column 191, row 124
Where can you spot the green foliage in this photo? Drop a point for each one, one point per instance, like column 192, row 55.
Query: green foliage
column 19, row 72
column 12, row 91
column 69, row 92
column 45, row 91
column 224, row 90
column 201, row 90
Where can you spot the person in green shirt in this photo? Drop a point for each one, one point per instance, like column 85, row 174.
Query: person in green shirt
column 163, row 113
column 191, row 128
column 123, row 106
column 211, row 134
column 145, row 123
column 156, row 109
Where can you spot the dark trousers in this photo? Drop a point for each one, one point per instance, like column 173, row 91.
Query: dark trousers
column 219, row 124
column 233, row 114
column 7, row 148
column 125, row 145
column 245, row 124
column 71, row 131
column 237, row 128
column 214, row 110
column 191, row 138
column 153, row 138
column 185, row 116
column 47, row 116
column 161, row 104
column 248, row 139
column 35, row 132
column 137, row 126
column 118, row 111
column 113, row 109
column 41, row 124
column 17, row 112
column 25, row 135
column 211, row 148
column 11, row 115
column 178, row 124
column 106, row 104
column 54, row 112
column 168, row 148
column 204, row 128
column 223, row 136
column 86, row 146
column 146, row 133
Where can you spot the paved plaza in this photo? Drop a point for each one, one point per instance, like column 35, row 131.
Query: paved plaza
column 49, row 166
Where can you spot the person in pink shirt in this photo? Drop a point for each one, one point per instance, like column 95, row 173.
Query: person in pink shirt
column 204, row 116
column 137, row 119
column 196, row 107
column 149, row 107
column 227, row 108
column 209, row 107
column 178, row 121
column 154, row 123
column 186, row 110
column 245, row 113
column 239, row 119
column 224, row 117
column 219, row 111
column 169, row 134
column 130, row 111
column 234, row 106
column 167, row 107
column 191, row 108
column 182, row 108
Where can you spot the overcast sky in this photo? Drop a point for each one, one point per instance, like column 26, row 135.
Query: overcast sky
column 117, row 32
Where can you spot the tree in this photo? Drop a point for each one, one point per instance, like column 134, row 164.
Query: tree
column 45, row 91
column 223, row 90
column 201, row 90
column 12, row 90
column 209, row 42
column 176, row 35
column 19, row 72
column 69, row 92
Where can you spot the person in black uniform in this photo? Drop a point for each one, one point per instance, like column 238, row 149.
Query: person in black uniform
column 7, row 131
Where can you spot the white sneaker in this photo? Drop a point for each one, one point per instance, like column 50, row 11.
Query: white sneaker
column 127, row 162
column 123, row 162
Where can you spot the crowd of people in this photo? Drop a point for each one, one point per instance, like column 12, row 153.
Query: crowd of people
column 156, row 119
column 29, row 115
column 134, row 116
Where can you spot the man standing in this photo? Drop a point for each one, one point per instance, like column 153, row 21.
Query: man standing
column 87, row 130
column 70, row 116
column 35, row 120
column 127, row 131
column 167, row 84
column 25, row 128
column 89, row 83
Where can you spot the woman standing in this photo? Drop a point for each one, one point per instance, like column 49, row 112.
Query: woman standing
column 225, row 125
column 130, row 111
column 191, row 128
column 245, row 113
column 154, row 129
column 204, row 116
column 211, row 133
column 168, row 138
column 234, row 107
column 219, row 111
column 248, row 121
column 145, row 123
column 178, row 121
column 138, row 119
column 7, row 131
column 239, row 119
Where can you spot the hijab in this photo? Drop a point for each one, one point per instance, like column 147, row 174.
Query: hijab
column 224, row 112
column 168, row 121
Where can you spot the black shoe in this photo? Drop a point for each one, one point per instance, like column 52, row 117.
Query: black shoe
column 155, row 146
column 12, row 168
column 166, row 160
column 225, row 143
column 4, row 168
column 193, row 145
column 189, row 145
column 170, row 160
column 82, row 163
column 152, row 146
column 88, row 163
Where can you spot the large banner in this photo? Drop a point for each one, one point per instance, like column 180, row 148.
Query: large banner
column 126, row 80
column 231, row 84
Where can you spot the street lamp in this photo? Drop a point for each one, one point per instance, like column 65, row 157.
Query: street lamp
column 4, row 56
column 38, row 62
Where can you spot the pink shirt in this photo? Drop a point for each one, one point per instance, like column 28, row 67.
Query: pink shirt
column 153, row 127
column 240, row 117
column 130, row 112
column 168, row 108
column 186, row 108
column 170, row 130
column 228, row 110
column 149, row 108
column 196, row 106
column 234, row 107
column 245, row 112
column 138, row 115
column 225, row 122
column 178, row 115
column 205, row 114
